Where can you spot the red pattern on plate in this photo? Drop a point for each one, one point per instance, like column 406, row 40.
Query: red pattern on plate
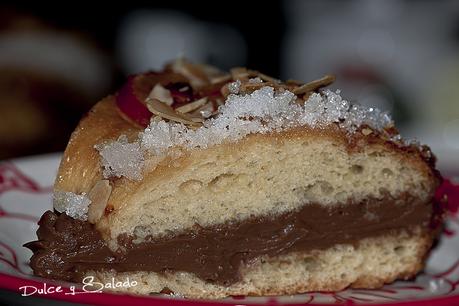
column 12, row 179
column 8, row 256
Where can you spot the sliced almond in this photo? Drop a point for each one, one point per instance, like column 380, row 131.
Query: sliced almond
column 314, row 85
column 294, row 82
column 162, row 94
column 155, row 118
column 211, row 71
column 99, row 196
column 167, row 112
column 367, row 131
column 208, row 114
column 253, row 86
column 198, row 119
column 184, row 88
column 239, row 73
column 187, row 108
column 247, row 87
column 206, row 111
column 194, row 73
column 267, row 78
column 220, row 79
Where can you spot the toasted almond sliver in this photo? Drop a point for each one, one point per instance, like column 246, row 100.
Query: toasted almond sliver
column 167, row 112
column 155, row 118
column 314, row 85
column 197, row 119
column 197, row 72
column 211, row 71
column 239, row 73
column 162, row 94
column 294, row 82
column 194, row 73
column 208, row 114
column 253, row 73
column 99, row 196
column 221, row 78
column 205, row 111
column 253, row 86
column 366, row 131
column 187, row 108
column 267, row 78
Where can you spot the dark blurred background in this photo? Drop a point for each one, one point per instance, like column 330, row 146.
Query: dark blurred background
column 58, row 59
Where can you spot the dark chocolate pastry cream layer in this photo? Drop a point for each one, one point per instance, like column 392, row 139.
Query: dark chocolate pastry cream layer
column 67, row 248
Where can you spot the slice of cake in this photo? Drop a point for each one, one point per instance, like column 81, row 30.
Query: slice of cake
column 210, row 184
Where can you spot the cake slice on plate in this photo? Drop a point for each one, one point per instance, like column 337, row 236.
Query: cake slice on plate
column 209, row 184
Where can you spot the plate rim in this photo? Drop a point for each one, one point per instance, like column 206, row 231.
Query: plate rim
column 13, row 283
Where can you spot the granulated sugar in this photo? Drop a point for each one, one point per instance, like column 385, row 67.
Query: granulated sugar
column 262, row 111
column 121, row 158
column 74, row 205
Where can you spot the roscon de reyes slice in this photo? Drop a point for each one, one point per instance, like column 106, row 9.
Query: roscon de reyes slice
column 208, row 184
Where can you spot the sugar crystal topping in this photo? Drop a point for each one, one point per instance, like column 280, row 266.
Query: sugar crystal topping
column 74, row 205
column 261, row 111
column 121, row 158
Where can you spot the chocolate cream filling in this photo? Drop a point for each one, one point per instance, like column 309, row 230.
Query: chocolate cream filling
column 67, row 248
